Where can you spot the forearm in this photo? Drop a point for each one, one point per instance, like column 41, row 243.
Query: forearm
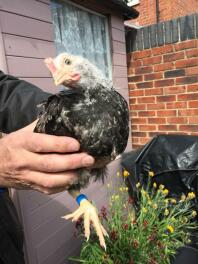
column 18, row 101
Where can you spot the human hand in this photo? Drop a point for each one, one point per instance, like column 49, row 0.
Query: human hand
column 38, row 161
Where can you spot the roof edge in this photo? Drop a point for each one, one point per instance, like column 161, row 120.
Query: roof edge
column 128, row 12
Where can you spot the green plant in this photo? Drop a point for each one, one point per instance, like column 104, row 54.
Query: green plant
column 149, row 232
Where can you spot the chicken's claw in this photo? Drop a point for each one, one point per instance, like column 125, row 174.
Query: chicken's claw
column 90, row 215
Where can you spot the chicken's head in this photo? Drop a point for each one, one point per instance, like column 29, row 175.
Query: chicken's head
column 73, row 71
column 63, row 69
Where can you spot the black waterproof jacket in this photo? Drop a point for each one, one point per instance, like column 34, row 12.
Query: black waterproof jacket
column 18, row 108
column 18, row 102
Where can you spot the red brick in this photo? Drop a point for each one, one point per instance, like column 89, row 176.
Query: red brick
column 174, row 90
column 192, row 88
column 136, row 93
column 173, row 56
column 187, row 80
column 139, row 120
column 145, row 100
column 176, row 120
column 193, row 120
column 132, row 100
column 153, row 134
column 133, row 113
column 188, row 112
column 157, row 120
column 136, row 146
column 163, row 67
column 162, row 50
column 134, row 127
column 135, row 140
column 187, row 97
column 144, row 85
column 186, row 63
column 163, row 83
column 139, row 134
column 193, row 104
column 144, row 140
column 130, row 71
column 143, row 70
column 135, row 78
column 146, row 113
column 148, row 127
column 153, row 76
column 141, row 54
column 167, row 128
column 137, row 107
column 156, row 106
column 166, row 113
column 192, row 70
column 186, row 45
column 152, row 60
column 189, row 128
column 154, row 91
column 131, row 86
column 135, row 64
column 166, row 98
column 176, row 105
column 194, row 133
column 192, row 53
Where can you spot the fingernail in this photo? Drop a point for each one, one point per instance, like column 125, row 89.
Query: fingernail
column 88, row 160
column 74, row 146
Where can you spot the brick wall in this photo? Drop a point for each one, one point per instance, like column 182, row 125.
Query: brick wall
column 168, row 9
column 163, row 88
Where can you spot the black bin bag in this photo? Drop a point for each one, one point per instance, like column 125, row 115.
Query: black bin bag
column 173, row 159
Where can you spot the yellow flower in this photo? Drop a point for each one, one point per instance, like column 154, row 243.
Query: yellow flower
column 155, row 206
column 165, row 192
column 118, row 174
column 121, row 189
column 183, row 197
column 166, row 212
column 151, row 174
column 125, row 173
column 170, row 228
column 117, row 197
column 138, row 185
column 155, row 185
column 166, row 201
column 144, row 210
column 194, row 213
column 173, row 201
column 161, row 187
column 126, row 189
column 185, row 219
column 191, row 195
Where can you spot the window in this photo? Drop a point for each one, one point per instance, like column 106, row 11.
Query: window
column 82, row 32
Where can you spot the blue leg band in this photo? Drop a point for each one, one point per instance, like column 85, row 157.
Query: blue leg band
column 81, row 197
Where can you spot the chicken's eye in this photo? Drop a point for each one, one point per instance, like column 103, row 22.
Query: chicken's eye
column 67, row 62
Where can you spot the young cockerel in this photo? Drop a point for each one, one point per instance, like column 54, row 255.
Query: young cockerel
column 93, row 112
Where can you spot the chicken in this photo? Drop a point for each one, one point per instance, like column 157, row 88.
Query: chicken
column 92, row 111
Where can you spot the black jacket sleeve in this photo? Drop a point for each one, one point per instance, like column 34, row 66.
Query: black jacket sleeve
column 18, row 102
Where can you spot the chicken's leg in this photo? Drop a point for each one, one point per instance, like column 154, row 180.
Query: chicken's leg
column 90, row 215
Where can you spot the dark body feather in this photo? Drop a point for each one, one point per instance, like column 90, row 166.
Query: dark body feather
column 97, row 118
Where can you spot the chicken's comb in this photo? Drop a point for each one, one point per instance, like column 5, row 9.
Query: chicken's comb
column 51, row 66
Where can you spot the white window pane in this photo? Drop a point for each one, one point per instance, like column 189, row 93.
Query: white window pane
column 80, row 32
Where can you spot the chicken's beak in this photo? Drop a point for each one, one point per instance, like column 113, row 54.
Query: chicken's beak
column 61, row 76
